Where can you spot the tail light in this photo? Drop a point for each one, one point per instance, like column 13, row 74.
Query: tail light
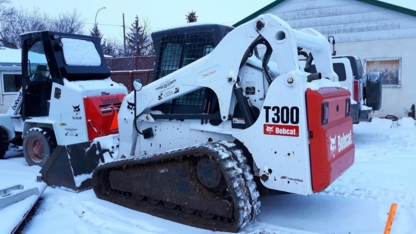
column 325, row 112
column 347, row 106
column 356, row 84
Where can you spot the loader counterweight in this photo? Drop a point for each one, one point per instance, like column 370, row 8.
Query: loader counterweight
column 331, row 135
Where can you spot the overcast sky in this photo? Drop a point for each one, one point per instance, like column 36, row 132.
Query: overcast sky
column 160, row 13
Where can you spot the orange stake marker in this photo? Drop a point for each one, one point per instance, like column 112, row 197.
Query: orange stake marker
column 390, row 218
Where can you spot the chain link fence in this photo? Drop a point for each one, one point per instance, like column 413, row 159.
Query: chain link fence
column 127, row 77
column 124, row 70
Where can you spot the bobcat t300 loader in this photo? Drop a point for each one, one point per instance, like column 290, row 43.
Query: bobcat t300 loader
column 197, row 144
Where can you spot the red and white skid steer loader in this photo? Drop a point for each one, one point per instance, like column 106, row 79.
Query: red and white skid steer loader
column 197, row 144
column 67, row 99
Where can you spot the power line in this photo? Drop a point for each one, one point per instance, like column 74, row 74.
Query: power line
column 115, row 25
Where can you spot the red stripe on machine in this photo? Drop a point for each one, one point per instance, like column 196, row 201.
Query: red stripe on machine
column 281, row 130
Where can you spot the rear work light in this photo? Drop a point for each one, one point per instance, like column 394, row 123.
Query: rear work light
column 347, row 107
column 356, row 84
column 325, row 112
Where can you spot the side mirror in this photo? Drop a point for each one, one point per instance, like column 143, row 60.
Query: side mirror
column 373, row 77
column 137, row 84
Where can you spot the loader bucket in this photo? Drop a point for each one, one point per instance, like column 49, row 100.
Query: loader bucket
column 70, row 167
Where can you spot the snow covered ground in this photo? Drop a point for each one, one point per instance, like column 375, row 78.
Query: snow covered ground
column 358, row 202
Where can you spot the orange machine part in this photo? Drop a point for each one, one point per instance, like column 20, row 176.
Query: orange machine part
column 331, row 134
column 100, row 113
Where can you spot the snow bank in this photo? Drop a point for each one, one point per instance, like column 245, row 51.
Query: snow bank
column 407, row 122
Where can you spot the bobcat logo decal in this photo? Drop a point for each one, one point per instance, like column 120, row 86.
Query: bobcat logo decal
column 76, row 109
column 130, row 105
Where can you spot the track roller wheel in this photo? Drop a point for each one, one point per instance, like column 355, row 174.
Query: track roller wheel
column 209, row 174
column 153, row 201
column 169, row 205
column 206, row 215
column 38, row 145
column 138, row 197
column 187, row 210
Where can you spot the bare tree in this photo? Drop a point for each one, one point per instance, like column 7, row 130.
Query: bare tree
column 68, row 22
column 20, row 22
column 5, row 10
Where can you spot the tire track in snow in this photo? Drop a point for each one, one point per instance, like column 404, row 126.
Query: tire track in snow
column 108, row 221
column 263, row 228
column 403, row 199
column 406, row 202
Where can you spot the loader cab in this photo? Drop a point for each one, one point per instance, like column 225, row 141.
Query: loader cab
column 51, row 57
column 176, row 48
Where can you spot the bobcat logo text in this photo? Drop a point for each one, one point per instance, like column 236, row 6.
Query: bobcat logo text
column 338, row 143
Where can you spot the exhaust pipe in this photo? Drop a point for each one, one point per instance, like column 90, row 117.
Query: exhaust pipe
column 314, row 76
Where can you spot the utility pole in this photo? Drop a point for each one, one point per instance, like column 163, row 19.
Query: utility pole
column 124, row 35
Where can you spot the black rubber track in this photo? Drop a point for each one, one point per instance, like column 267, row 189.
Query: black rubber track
column 140, row 183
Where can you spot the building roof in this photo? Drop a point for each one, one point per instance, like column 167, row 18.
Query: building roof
column 372, row 2
column 10, row 55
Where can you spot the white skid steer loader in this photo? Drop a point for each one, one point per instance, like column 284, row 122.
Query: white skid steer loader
column 200, row 143
column 66, row 101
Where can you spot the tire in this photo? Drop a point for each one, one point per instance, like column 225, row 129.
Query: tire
column 373, row 91
column 38, row 145
column 4, row 142
column 412, row 112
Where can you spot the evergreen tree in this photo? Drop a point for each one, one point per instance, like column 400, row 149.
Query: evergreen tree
column 95, row 32
column 138, row 42
column 191, row 17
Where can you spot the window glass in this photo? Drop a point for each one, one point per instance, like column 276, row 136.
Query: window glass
column 12, row 82
column 360, row 69
column 38, row 66
column 389, row 70
column 171, row 57
column 339, row 68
